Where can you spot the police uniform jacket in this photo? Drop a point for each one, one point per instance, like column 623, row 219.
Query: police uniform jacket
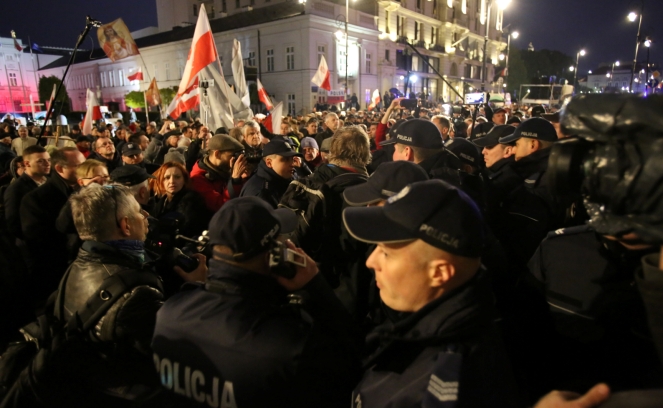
column 265, row 184
column 237, row 339
column 589, row 284
column 447, row 354
column 12, row 201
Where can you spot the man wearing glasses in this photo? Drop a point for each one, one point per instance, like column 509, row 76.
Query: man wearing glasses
column 104, row 151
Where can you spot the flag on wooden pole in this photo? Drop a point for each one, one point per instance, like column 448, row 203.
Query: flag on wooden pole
column 152, row 94
column 264, row 98
column 321, row 77
column 136, row 76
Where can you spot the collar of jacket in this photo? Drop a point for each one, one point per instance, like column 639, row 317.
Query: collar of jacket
column 459, row 312
column 245, row 281
column 60, row 183
column 315, row 162
column 164, row 206
column 270, row 175
column 107, row 254
column 442, row 159
column 213, row 173
column 327, row 172
column 534, row 163
column 501, row 163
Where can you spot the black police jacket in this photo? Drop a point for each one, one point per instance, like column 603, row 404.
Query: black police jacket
column 265, row 184
column 12, row 202
column 589, row 283
column 237, row 339
column 448, row 351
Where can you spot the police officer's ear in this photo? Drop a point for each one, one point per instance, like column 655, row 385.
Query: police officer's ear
column 440, row 272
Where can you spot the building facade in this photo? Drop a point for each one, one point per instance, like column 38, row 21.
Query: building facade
column 618, row 78
column 18, row 76
column 285, row 41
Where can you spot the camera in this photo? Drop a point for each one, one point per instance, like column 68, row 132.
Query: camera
column 614, row 163
column 283, row 261
column 163, row 239
column 252, row 156
column 408, row 103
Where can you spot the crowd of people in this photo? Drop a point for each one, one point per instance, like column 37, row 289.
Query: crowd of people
column 387, row 258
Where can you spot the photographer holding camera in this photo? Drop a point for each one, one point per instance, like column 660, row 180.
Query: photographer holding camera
column 219, row 170
column 265, row 330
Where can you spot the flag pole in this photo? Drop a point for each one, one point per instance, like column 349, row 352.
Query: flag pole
column 9, row 86
column 32, row 57
column 149, row 80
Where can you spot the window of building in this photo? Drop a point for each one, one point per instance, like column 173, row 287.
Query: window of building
column 433, row 35
column 435, row 7
column 224, row 8
column 386, row 55
column 463, row 6
column 111, row 78
column 9, row 57
column 12, row 79
column 417, row 30
column 386, row 21
column 180, row 67
column 270, row 60
column 290, row 58
column 482, row 17
column 624, row 83
column 237, row 4
column 154, row 73
column 368, row 63
column 400, row 26
column 195, row 10
column 418, row 4
column 252, row 58
column 322, row 52
column 120, row 80
column 166, row 66
column 291, row 104
column 102, row 76
column 450, row 3
column 253, row 2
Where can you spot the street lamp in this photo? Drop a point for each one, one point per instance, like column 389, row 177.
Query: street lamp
column 575, row 70
column 347, row 12
column 632, row 17
column 515, row 35
column 502, row 4
column 647, row 44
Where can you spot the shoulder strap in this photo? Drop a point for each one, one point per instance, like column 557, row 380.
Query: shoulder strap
column 107, row 294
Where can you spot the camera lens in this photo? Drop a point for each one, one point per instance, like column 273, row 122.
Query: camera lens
column 565, row 165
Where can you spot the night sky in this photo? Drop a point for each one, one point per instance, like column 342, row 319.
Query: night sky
column 599, row 26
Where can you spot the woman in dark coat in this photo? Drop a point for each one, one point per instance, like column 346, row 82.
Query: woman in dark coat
column 175, row 200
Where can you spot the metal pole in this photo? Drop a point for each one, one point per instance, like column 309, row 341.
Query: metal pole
column 575, row 72
column 20, row 72
column 506, row 74
column 347, row 11
column 9, row 86
column 647, row 72
column 485, row 44
column 637, row 45
column 34, row 71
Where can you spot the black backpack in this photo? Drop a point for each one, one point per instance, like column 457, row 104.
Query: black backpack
column 31, row 370
column 320, row 232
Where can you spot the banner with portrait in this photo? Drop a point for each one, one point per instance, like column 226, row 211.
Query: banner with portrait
column 116, row 41
column 152, row 94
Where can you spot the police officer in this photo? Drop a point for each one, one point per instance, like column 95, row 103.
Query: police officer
column 274, row 172
column 246, row 339
column 440, row 343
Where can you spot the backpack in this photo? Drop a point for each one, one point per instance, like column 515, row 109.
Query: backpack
column 320, row 231
column 33, row 369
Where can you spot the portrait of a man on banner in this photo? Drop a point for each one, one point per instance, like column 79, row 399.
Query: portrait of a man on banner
column 116, row 40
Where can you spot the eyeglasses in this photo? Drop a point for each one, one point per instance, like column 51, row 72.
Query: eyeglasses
column 96, row 178
column 105, row 145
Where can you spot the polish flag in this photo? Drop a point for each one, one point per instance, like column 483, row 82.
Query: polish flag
column 264, row 98
column 321, row 77
column 183, row 102
column 202, row 52
column 137, row 76
column 375, row 99
column 273, row 121
column 93, row 112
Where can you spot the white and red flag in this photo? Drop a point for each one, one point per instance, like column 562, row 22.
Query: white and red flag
column 273, row 121
column 93, row 112
column 184, row 102
column 321, row 77
column 264, row 98
column 136, row 76
column 202, row 53
column 375, row 99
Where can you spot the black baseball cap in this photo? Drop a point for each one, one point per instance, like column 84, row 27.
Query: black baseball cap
column 492, row 138
column 280, row 147
column 388, row 179
column 434, row 211
column 130, row 175
column 129, row 149
column 551, row 117
column 465, row 150
column 247, row 225
column 482, row 129
column 500, row 110
column 513, row 119
column 537, row 111
column 417, row 133
column 533, row 128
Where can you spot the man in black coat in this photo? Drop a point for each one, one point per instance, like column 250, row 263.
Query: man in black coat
column 440, row 342
column 105, row 152
column 37, row 164
column 39, row 210
column 254, row 343
column 274, row 173
column 331, row 125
